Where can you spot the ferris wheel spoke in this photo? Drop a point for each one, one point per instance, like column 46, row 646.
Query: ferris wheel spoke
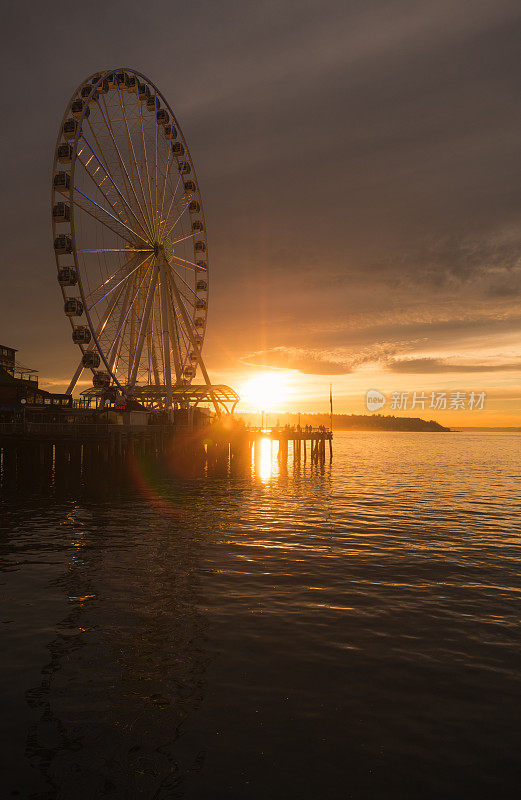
column 179, row 329
column 190, row 327
column 143, row 328
column 177, row 203
column 109, row 313
column 134, row 159
column 114, row 287
column 188, row 299
column 173, row 196
column 106, row 318
column 92, row 176
column 101, row 221
column 129, row 309
column 156, row 221
column 168, row 163
column 108, row 175
column 133, row 232
column 191, row 264
column 94, row 157
column 144, row 151
column 179, row 300
column 195, row 343
column 124, row 171
column 115, row 274
column 185, row 283
column 179, row 217
column 180, row 203
column 184, row 238
column 114, row 250
column 99, row 158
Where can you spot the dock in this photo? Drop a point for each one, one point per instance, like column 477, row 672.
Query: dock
column 98, row 448
column 300, row 438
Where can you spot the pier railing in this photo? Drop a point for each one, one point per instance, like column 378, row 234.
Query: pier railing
column 72, row 430
column 290, row 433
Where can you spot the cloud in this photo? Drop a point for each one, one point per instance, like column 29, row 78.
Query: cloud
column 402, row 333
column 306, row 361
column 425, row 366
column 484, row 264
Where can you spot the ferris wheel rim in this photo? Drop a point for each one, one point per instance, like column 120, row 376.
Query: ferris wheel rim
column 96, row 345
column 105, row 76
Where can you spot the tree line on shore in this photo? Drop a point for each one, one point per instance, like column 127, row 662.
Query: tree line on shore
column 348, row 422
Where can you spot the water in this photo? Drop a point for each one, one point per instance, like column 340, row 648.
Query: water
column 340, row 631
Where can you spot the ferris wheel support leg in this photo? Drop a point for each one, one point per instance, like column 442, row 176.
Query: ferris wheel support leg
column 173, row 334
column 207, row 380
column 92, row 345
column 116, row 344
column 165, row 335
column 195, row 344
column 143, row 329
column 75, row 377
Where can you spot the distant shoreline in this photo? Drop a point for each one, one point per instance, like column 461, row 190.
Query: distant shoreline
column 369, row 422
column 377, row 422
column 353, row 422
column 484, row 429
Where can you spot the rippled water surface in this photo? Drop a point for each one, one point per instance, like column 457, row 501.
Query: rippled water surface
column 344, row 631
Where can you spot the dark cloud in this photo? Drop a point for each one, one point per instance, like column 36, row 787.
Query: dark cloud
column 292, row 358
column 403, row 334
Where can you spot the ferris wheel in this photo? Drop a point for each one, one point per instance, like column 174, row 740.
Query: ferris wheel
column 130, row 240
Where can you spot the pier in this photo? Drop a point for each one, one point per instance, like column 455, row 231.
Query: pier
column 302, row 439
column 97, row 448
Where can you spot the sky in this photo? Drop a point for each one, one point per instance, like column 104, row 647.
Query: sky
column 359, row 167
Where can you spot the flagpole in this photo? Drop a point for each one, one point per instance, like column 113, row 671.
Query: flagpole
column 331, row 420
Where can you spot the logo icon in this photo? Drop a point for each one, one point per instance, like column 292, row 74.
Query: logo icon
column 374, row 400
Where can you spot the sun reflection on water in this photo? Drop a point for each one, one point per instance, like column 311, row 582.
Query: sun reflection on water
column 265, row 459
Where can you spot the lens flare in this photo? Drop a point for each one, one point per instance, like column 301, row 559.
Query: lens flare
column 159, row 486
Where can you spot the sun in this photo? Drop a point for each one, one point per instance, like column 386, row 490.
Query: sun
column 265, row 391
